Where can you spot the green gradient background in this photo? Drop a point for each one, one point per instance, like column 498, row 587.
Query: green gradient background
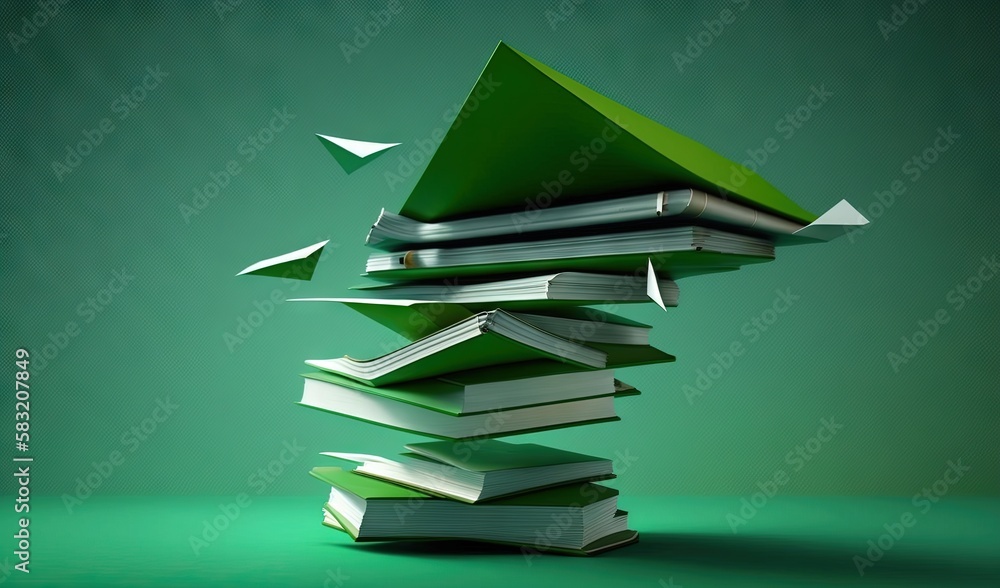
column 163, row 335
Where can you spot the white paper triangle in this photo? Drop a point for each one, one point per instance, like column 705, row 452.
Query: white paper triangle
column 285, row 258
column 361, row 149
column 653, row 286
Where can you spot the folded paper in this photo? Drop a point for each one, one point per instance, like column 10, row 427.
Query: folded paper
column 352, row 154
column 297, row 265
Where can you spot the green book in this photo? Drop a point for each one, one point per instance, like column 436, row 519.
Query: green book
column 368, row 509
column 559, row 290
column 481, row 470
column 393, row 232
column 489, row 389
column 676, row 252
column 484, row 339
column 549, row 140
column 433, row 410
column 415, row 319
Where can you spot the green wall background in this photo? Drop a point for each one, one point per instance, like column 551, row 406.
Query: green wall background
column 162, row 336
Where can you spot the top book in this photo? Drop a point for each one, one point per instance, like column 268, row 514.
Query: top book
column 528, row 137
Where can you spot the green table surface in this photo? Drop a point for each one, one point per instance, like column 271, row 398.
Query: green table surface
column 685, row 541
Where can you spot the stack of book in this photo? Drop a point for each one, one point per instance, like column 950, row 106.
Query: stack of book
column 543, row 201
column 489, row 374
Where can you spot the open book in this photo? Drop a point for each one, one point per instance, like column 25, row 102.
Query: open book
column 415, row 319
column 497, row 338
column 481, row 470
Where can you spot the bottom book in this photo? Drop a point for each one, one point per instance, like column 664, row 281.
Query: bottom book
column 577, row 519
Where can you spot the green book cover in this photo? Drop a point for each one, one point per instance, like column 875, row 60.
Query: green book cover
column 606, row 543
column 415, row 319
column 439, row 395
column 525, row 369
column 492, row 455
column 569, row 496
column 479, row 434
column 432, row 393
column 485, row 349
column 620, row 356
column 369, row 488
column 530, row 120
column 363, row 486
